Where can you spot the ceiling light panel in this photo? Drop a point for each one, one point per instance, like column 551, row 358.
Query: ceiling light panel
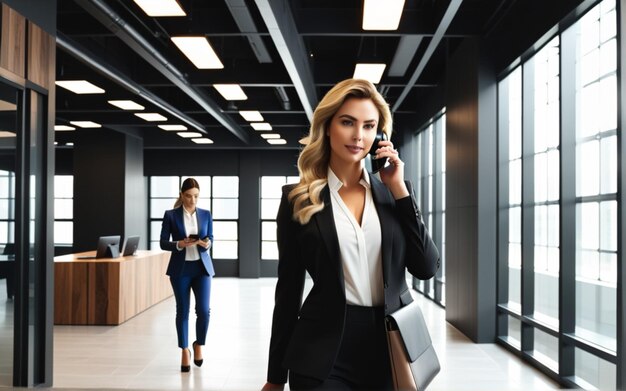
column 277, row 141
column 231, row 91
column 382, row 14
column 270, row 135
column 189, row 134
column 370, row 72
column 261, row 126
column 170, row 128
column 126, row 104
column 63, row 128
column 250, row 115
column 5, row 134
column 151, row 117
column 202, row 140
column 158, row 8
column 79, row 86
column 86, row 124
column 199, row 51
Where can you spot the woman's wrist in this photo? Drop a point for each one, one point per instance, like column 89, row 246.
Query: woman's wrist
column 399, row 190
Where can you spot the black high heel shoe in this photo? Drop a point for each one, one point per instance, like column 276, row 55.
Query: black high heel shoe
column 197, row 362
column 186, row 368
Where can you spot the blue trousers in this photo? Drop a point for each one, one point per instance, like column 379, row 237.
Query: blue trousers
column 195, row 278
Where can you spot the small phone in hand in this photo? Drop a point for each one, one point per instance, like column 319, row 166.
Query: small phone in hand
column 194, row 237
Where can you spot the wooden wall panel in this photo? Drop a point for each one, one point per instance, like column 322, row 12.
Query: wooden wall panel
column 13, row 42
column 40, row 56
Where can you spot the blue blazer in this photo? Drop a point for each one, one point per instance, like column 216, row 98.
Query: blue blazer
column 174, row 226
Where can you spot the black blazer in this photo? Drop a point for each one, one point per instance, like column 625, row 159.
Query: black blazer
column 306, row 338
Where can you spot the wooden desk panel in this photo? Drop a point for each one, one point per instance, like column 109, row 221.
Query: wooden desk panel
column 108, row 291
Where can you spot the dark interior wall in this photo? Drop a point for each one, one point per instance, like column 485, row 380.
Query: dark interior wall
column 99, row 195
column 41, row 12
column 135, row 192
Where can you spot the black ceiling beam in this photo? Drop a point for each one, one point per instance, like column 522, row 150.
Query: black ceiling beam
column 282, row 27
column 110, row 72
column 107, row 16
column 449, row 15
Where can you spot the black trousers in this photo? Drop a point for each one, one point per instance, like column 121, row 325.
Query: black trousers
column 363, row 359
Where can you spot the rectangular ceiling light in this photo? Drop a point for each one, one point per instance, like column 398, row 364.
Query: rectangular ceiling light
column 231, row 91
column 199, row 51
column 270, row 135
column 63, row 128
column 189, row 134
column 4, row 134
column 251, row 115
column 202, row 140
column 151, row 117
column 126, row 104
column 276, row 141
column 86, row 124
column 382, row 14
column 371, row 72
column 170, row 128
column 157, row 8
column 79, row 86
column 261, row 126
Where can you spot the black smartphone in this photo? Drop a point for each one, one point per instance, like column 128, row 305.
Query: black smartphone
column 377, row 164
column 194, row 237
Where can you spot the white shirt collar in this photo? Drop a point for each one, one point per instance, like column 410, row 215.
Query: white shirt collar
column 334, row 184
column 189, row 213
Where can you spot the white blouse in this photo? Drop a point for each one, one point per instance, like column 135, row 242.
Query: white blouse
column 359, row 246
column 191, row 228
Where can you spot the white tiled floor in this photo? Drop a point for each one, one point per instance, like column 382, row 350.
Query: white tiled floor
column 142, row 353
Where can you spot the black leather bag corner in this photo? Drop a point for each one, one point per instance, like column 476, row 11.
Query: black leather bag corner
column 413, row 359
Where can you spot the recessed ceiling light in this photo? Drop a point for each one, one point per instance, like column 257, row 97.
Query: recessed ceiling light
column 156, row 8
column 270, row 135
column 4, row 134
column 56, row 143
column 126, row 104
column 231, row 91
column 276, row 141
column 63, row 128
column 382, row 14
column 251, row 115
column 7, row 106
column 370, row 72
column 69, row 144
column 173, row 127
column 199, row 51
column 261, row 126
column 151, row 117
column 86, row 124
column 80, row 86
column 189, row 134
column 202, row 140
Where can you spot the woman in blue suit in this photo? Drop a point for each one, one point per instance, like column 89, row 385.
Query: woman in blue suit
column 190, row 268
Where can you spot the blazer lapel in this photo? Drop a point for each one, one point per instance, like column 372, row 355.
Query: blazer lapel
column 180, row 221
column 381, row 197
column 326, row 225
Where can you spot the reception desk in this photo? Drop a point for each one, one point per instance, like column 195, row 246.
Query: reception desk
column 108, row 291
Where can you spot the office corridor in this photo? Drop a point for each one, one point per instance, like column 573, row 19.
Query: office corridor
column 142, row 354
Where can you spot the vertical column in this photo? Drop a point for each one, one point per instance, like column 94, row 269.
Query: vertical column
column 249, row 214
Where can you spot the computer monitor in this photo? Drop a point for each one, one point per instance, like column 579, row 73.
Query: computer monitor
column 108, row 247
column 130, row 245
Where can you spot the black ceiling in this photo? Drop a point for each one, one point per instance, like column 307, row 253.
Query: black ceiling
column 94, row 43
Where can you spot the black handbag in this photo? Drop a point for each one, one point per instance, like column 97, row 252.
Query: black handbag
column 414, row 363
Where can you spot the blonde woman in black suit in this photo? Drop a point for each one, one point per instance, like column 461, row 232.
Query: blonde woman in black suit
column 355, row 235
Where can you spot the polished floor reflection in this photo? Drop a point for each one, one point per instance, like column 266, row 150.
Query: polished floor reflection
column 142, row 354
column 6, row 336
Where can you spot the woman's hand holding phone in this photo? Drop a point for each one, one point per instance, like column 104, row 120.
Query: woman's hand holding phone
column 393, row 174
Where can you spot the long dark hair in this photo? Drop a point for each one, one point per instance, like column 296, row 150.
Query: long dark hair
column 188, row 183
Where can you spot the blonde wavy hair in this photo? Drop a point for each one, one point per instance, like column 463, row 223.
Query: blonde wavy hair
column 315, row 156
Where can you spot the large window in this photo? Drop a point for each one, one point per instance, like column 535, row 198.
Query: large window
column 7, row 207
column 430, row 153
column 558, row 203
column 219, row 194
column 271, row 193
column 63, row 210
